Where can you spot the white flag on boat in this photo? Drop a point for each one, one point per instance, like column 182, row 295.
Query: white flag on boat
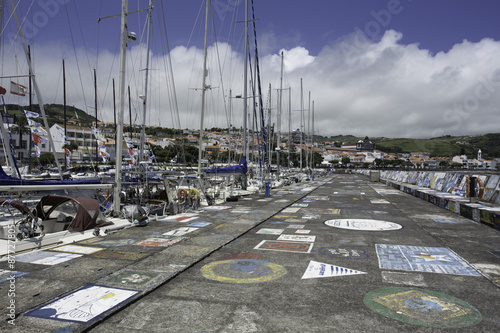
column 17, row 89
column 30, row 114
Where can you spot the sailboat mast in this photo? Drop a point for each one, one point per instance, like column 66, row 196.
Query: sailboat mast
column 269, row 136
column 278, row 122
column 64, row 108
column 308, row 135
column 96, row 126
column 312, row 138
column 143, row 130
column 1, row 18
column 204, row 87
column 289, row 123
column 37, row 89
column 114, row 108
column 301, row 116
column 121, row 108
column 245, row 79
column 229, row 132
column 30, row 101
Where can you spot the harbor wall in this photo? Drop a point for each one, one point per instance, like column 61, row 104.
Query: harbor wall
column 448, row 190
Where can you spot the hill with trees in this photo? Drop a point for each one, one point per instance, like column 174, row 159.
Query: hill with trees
column 445, row 146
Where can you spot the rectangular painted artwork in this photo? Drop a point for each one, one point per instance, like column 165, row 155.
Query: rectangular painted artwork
column 216, row 207
column 270, row 231
column 199, row 224
column 77, row 249
column 297, row 238
column 151, row 242
column 291, row 210
column 423, row 259
column 47, row 258
column 187, row 217
column 180, row 231
column 297, row 247
column 84, row 305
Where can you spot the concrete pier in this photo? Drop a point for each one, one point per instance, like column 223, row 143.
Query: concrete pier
column 339, row 254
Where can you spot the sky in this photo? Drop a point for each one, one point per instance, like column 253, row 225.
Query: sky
column 376, row 68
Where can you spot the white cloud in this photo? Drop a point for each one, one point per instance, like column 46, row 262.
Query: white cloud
column 293, row 59
column 369, row 88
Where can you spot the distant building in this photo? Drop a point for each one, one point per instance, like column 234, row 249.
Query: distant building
column 298, row 136
column 365, row 145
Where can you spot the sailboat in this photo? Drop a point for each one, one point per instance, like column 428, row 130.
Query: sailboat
column 59, row 219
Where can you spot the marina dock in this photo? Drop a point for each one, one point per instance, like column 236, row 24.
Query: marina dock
column 338, row 254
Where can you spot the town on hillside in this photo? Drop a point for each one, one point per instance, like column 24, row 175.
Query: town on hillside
column 220, row 146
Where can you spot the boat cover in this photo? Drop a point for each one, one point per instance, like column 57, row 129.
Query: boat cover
column 240, row 168
column 16, row 204
column 85, row 217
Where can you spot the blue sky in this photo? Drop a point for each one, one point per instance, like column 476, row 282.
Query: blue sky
column 435, row 25
column 390, row 68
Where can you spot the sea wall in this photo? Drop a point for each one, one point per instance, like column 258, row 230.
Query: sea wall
column 450, row 182
column 448, row 190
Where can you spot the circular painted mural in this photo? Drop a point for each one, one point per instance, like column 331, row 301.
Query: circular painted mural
column 362, row 224
column 242, row 271
column 422, row 307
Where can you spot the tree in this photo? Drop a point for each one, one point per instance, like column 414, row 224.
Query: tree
column 47, row 158
column 444, row 164
column 317, row 159
column 21, row 123
column 72, row 146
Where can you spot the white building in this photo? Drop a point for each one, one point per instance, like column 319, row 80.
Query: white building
column 82, row 136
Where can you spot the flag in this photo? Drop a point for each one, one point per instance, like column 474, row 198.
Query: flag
column 18, row 89
column 32, row 123
column 104, row 155
column 38, row 138
column 37, row 130
column 30, row 114
column 3, row 91
column 37, row 151
column 67, row 151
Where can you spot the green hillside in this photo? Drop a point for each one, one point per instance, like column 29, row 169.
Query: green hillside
column 442, row 146
column 55, row 113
